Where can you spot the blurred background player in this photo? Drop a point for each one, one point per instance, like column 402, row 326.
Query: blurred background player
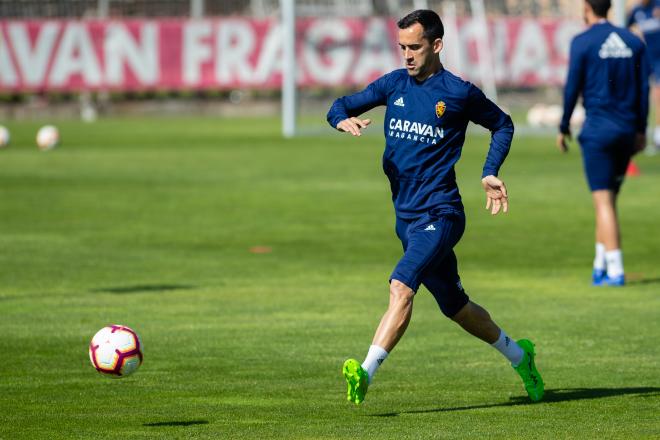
column 608, row 66
column 644, row 19
column 428, row 111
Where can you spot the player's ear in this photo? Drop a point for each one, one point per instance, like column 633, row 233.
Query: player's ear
column 437, row 45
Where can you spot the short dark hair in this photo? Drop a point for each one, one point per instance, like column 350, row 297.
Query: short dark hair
column 430, row 21
column 600, row 7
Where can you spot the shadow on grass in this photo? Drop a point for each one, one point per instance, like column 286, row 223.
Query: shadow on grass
column 551, row 396
column 178, row 423
column 143, row 288
column 643, row 281
column 121, row 290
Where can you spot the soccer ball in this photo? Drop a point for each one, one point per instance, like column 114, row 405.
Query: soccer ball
column 4, row 136
column 579, row 115
column 116, row 351
column 552, row 115
column 47, row 137
column 536, row 115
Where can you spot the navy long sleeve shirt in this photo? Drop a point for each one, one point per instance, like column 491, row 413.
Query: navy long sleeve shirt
column 609, row 68
column 648, row 21
column 425, row 125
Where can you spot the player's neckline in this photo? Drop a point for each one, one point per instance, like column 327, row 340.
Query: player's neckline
column 433, row 75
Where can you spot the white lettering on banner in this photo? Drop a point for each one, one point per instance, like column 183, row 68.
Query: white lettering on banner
column 340, row 56
column 33, row 63
column 195, row 50
column 535, row 54
column 242, row 52
column 121, row 50
column 376, row 55
column 498, row 42
column 562, row 37
column 467, row 37
column 270, row 59
column 530, row 54
column 8, row 76
column 76, row 56
column 235, row 44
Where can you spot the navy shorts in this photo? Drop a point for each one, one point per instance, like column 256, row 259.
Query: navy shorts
column 429, row 259
column 606, row 160
column 656, row 72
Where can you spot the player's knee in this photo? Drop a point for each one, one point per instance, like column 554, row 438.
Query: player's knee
column 471, row 312
column 454, row 311
column 400, row 293
column 451, row 311
column 452, row 300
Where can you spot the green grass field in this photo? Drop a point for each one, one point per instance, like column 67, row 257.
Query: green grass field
column 149, row 223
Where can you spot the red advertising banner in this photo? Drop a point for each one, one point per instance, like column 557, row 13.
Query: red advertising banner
column 230, row 53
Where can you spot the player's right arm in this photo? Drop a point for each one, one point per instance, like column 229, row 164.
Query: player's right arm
column 343, row 115
column 353, row 125
column 572, row 89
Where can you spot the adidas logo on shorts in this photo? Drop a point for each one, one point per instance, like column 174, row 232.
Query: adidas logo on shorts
column 430, row 228
column 614, row 47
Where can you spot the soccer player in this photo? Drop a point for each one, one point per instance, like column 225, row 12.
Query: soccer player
column 645, row 18
column 428, row 110
column 609, row 68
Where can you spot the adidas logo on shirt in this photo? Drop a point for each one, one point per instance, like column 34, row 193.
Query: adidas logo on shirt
column 399, row 102
column 614, row 47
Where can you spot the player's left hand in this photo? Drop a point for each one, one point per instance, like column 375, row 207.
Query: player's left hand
column 640, row 143
column 496, row 196
column 562, row 141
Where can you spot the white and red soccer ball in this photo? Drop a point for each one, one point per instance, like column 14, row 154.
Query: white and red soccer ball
column 116, row 351
column 48, row 137
column 542, row 115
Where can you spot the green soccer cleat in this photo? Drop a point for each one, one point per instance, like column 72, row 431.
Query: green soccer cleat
column 357, row 379
column 528, row 372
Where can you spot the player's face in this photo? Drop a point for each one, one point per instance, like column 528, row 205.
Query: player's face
column 421, row 57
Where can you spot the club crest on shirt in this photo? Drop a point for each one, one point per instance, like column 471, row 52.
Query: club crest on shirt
column 440, row 108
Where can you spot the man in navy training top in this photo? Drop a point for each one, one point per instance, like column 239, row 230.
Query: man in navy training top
column 428, row 110
column 608, row 66
column 645, row 19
